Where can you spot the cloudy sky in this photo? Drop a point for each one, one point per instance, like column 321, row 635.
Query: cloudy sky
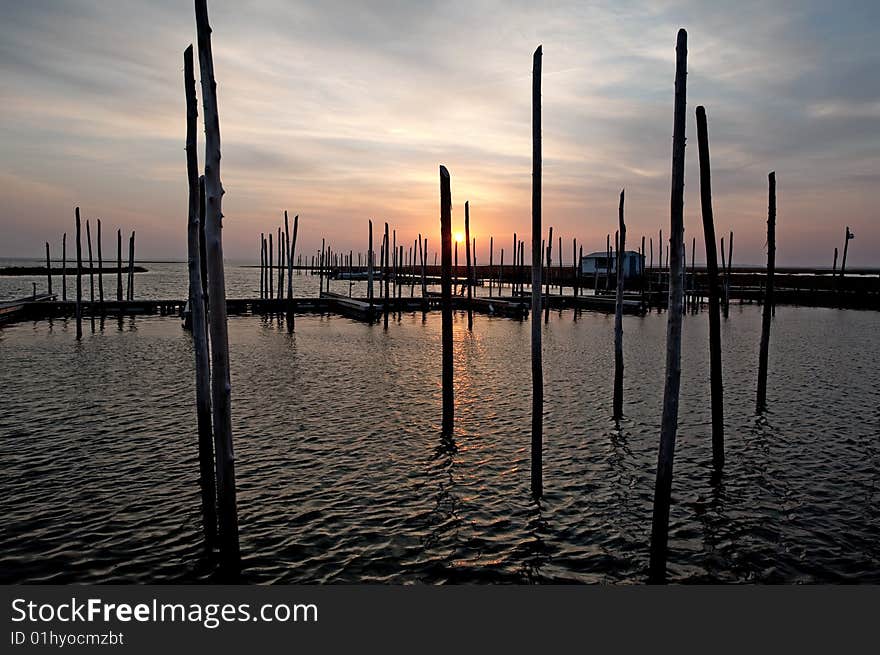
column 342, row 111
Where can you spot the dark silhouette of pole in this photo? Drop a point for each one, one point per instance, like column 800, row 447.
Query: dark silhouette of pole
column 64, row 267
column 669, row 422
column 100, row 268
column 91, row 267
column 219, row 338
column 131, row 267
column 78, row 276
column 446, row 298
column 763, row 355
column 547, row 283
column 48, row 269
column 119, row 265
column 618, row 316
column 197, row 307
column 370, row 268
column 470, row 272
column 537, row 256
column 715, row 380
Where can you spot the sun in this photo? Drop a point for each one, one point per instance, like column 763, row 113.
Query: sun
column 459, row 237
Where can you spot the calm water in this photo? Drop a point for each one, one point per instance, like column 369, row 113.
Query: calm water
column 343, row 475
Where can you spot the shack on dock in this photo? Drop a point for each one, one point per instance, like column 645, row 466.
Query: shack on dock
column 633, row 263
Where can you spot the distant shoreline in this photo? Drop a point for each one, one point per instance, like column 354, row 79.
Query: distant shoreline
column 22, row 271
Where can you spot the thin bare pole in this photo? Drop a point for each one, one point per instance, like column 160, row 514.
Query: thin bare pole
column 48, row 269
column 131, row 267
column 469, row 272
column 197, row 308
column 764, row 353
column 262, row 265
column 100, row 268
column 618, row 316
column 446, row 299
column 386, row 275
column 549, row 263
column 119, row 265
column 715, row 383
column 78, row 276
column 291, row 319
column 370, row 268
column 669, row 424
column 219, row 338
column 91, row 267
column 64, row 267
column 537, row 363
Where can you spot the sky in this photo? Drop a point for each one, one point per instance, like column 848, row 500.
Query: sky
column 342, row 112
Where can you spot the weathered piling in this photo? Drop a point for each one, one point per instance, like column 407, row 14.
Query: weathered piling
column 91, row 268
column 669, row 422
column 221, row 388
column 370, row 267
column 262, row 266
column 715, row 380
column 48, row 269
column 64, row 267
column 100, row 268
column 423, row 256
column 618, row 316
column 131, row 267
column 764, row 352
column 270, row 272
column 119, row 265
column 847, row 237
column 78, row 276
column 469, row 272
column 537, row 363
column 197, row 308
column 574, row 268
column 290, row 313
column 547, row 283
column 386, row 275
column 446, row 299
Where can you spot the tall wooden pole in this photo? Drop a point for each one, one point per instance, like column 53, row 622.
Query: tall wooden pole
column 386, row 275
column 78, row 276
column 469, row 272
column 715, row 383
column 64, row 267
column 291, row 313
column 669, row 423
column 91, row 268
column 849, row 235
column 100, row 267
column 446, row 298
column 370, row 267
column 618, row 315
column 537, row 363
column 197, row 307
column 219, row 338
column 119, row 265
column 549, row 264
column 763, row 355
column 131, row 267
column 262, row 265
column 48, row 269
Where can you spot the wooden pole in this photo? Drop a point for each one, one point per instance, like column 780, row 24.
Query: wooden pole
column 91, row 268
column 131, row 267
column 262, row 265
column 618, row 316
column 763, row 355
column 270, row 272
column 100, row 267
column 386, row 275
column 119, row 265
column 48, row 269
column 280, row 287
column 78, row 276
column 574, row 268
column 291, row 318
column 849, row 235
column 197, row 308
column 288, row 254
column 715, row 383
column 669, row 423
column 446, row 299
column 561, row 258
column 547, row 283
column 537, row 363
column 370, row 268
column 469, row 271
column 64, row 267
column 219, row 339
